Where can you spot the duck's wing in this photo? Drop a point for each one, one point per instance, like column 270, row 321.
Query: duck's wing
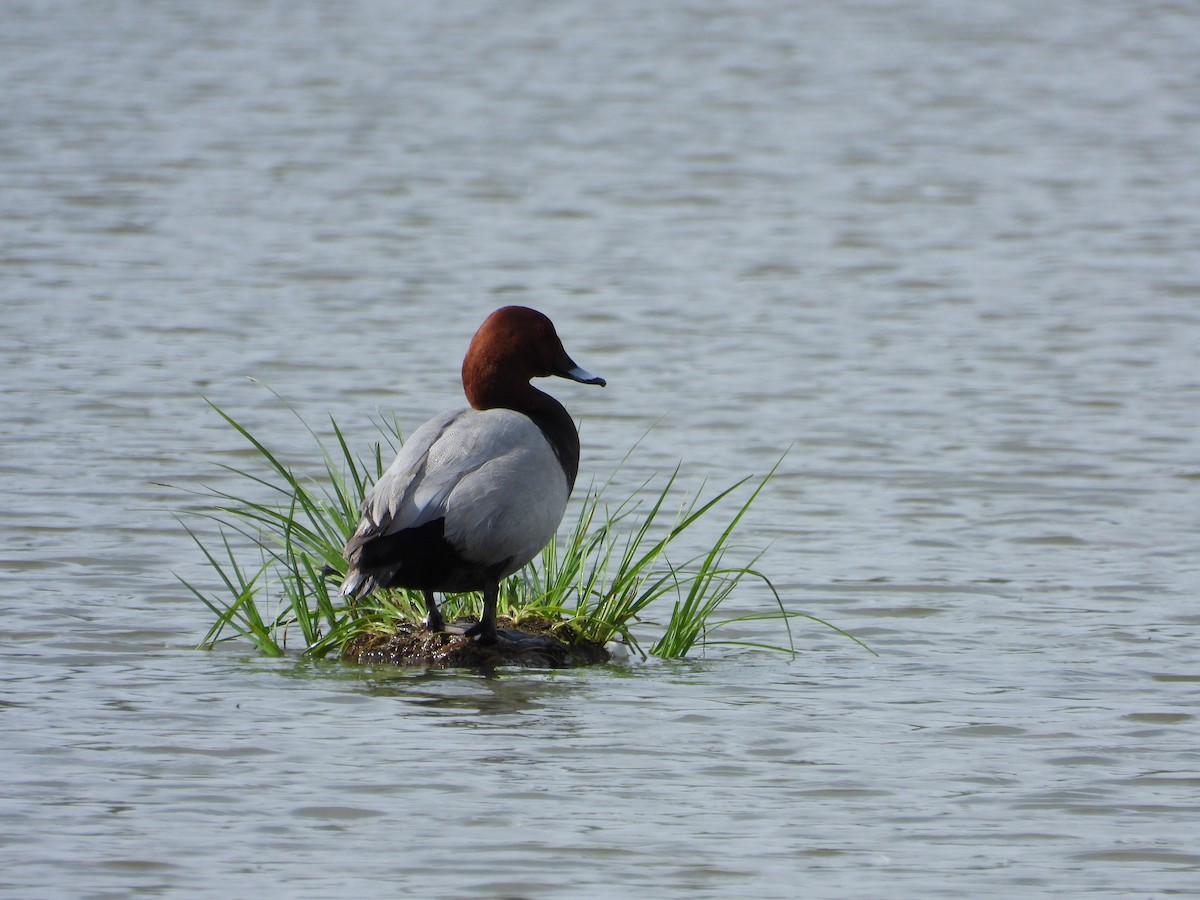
column 401, row 512
column 414, row 488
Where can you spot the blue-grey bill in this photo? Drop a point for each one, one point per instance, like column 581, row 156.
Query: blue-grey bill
column 584, row 376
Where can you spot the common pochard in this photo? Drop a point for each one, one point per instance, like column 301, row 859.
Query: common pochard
column 476, row 493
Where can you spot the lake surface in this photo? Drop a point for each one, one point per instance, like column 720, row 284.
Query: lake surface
column 945, row 253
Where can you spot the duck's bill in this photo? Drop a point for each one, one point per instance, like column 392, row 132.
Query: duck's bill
column 583, row 376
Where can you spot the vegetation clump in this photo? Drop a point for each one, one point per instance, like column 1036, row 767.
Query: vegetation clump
column 583, row 592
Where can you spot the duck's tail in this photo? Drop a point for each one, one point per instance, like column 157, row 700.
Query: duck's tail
column 354, row 584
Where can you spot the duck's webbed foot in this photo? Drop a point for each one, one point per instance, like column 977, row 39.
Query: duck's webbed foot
column 483, row 633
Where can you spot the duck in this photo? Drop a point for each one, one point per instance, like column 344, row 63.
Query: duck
column 475, row 493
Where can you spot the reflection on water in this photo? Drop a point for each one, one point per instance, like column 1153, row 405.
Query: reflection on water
column 944, row 253
column 458, row 699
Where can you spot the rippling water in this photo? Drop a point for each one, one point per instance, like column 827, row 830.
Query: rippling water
column 945, row 253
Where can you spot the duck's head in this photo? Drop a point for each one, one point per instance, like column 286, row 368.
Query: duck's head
column 513, row 345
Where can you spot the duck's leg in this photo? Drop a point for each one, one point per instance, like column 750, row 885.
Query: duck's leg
column 485, row 631
column 433, row 618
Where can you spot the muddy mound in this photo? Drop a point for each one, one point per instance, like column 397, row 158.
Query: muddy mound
column 537, row 644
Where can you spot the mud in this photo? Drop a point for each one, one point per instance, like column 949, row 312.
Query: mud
column 540, row 644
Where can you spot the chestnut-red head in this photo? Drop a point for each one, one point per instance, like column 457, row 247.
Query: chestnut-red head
column 513, row 345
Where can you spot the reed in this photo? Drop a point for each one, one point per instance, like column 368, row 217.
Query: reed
column 598, row 582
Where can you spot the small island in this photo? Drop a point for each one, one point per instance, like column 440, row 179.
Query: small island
column 530, row 643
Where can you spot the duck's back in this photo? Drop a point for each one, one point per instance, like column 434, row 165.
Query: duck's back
column 486, row 483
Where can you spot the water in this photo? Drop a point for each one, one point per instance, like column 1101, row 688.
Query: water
column 945, row 254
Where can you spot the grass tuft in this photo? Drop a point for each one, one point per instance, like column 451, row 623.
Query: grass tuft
column 598, row 581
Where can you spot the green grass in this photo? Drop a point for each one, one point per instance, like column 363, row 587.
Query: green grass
column 279, row 563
